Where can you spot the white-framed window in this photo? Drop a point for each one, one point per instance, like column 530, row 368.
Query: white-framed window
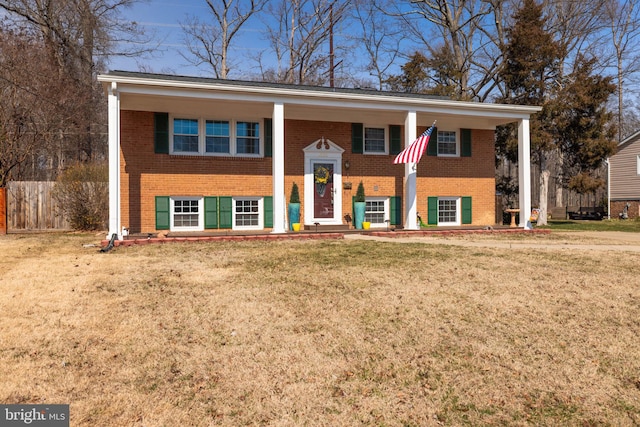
column 247, row 213
column 187, row 214
column 448, row 211
column 448, row 143
column 247, row 138
column 638, row 164
column 214, row 137
column 217, row 137
column 185, row 135
column 375, row 140
column 376, row 211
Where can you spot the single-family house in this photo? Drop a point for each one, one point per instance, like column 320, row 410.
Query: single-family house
column 202, row 154
column 624, row 179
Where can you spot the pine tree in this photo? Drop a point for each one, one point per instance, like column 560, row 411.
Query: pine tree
column 586, row 134
column 413, row 78
column 574, row 122
column 531, row 72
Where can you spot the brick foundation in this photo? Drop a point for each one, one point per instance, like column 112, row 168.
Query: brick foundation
column 618, row 206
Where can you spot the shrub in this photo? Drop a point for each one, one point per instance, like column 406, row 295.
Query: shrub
column 82, row 194
column 295, row 194
column 360, row 193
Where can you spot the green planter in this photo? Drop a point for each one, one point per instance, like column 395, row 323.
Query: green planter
column 294, row 214
column 358, row 214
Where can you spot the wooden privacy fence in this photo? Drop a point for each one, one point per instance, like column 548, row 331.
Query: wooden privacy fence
column 30, row 207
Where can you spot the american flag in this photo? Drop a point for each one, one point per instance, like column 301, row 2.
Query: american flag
column 414, row 152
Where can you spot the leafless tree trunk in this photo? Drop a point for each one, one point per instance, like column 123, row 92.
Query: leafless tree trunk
column 472, row 33
column 380, row 38
column 623, row 19
column 210, row 43
column 544, row 188
column 78, row 35
column 301, row 32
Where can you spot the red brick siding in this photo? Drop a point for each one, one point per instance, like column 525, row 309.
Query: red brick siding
column 617, row 207
column 145, row 175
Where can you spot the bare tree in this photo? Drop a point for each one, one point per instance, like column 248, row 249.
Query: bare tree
column 78, row 37
column 623, row 21
column 302, row 29
column 210, row 43
column 380, row 37
column 36, row 111
column 80, row 34
column 458, row 23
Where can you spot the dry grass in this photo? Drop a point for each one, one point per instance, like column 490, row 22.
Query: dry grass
column 332, row 333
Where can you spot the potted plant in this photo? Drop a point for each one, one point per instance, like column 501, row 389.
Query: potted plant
column 294, row 207
column 359, row 207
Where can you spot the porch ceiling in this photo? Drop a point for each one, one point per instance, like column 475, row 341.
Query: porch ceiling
column 226, row 108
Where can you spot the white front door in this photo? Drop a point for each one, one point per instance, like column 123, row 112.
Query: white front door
column 323, row 183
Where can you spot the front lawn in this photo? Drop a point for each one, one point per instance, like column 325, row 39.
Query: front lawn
column 629, row 225
column 322, row 333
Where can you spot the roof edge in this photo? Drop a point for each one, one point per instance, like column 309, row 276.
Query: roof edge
column 267, row 88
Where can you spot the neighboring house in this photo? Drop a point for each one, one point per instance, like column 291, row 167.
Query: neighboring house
column 199, row 154
column 624, row 178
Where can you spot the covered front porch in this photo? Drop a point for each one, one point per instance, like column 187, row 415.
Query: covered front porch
column 280, row 103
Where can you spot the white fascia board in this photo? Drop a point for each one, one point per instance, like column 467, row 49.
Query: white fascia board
column 186, row 89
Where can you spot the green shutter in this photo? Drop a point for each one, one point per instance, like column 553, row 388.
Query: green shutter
column 395, row 206
column 210, row 212
column 432, row 216
column 268, row 137
column 267, row 205
column 432, row 147
column 465, row 142
column 395, row 139
column 466, row 210
column 225, row 208
column 161, row 133
column 357, row 138
column 163, row 213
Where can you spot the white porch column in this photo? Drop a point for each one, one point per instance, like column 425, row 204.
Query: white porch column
column 115, row 221
column 524, row 173
column 410, row 174
column 279, row 199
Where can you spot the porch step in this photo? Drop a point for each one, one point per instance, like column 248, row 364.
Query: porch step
column 326, row 227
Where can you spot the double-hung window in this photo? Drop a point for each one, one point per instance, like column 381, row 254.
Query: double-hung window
column 214, row 137
column 186, row 214
column 447, row 143
column 448, row 211
column 217, row 139
column 185, row 135
column 375, row 140
column 248, row 137
column 376, row 211
column 247, row 213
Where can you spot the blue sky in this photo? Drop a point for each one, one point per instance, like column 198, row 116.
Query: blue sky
column 163, row 18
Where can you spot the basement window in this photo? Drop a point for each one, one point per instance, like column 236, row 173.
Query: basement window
column 376, row 211
column 247, row 213
column 186, row 214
